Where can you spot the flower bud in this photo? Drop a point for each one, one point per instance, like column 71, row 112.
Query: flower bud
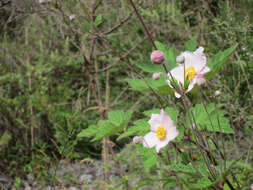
column 157, row 57
column 180, row 59
column 156, row 76
column 137, row 139
column 71, row 17
column 217, row 93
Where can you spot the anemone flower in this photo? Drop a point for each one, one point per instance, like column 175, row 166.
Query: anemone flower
column 192, row 69
column 162, row 131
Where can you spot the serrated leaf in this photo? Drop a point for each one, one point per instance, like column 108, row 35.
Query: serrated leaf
column 98, row 20
column 202, row 183
column 89, row 132
column 149, row 66
column 160, row 86
column 190, row 45
column 217, row 61
column 140, row 128
column 149, row 156
column 181, row 168
column 116, row 117
column 127, row 116
column 210, row 120
column 105, row 129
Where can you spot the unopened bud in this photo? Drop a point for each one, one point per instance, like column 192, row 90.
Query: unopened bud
column 251, row 187
column 217, row 93
column 71, row 17
column 137, row 139
column 44, row 1
column 180, row 59
column 157, row 57
column 156, row 76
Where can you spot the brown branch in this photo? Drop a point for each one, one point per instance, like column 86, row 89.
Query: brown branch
column 119, row 24
column 122, row 57
column 142, row 22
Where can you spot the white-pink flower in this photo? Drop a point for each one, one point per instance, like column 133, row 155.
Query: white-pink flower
column 162, row 131
column 193, row 68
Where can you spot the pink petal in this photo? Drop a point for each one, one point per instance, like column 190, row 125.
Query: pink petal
column 195, row 59
column 177, row 73
column 154, row 122
column 171, row 133
column 150, row 140
column 204, row 70
column 166, row 120
column 161, row 144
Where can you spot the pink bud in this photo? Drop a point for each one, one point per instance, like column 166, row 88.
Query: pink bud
column 137, row 139
column 156, row 76
column 251, row 187
column 157, row 57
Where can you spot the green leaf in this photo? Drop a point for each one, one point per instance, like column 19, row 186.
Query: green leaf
column 210, row 120
column 127, row 116
column 98, row 20
column 149, row 156
column 5, row 138
column 181, row 168
column 105, row 129
column 89, row 132
column 190, row 45
column 160, row 86
column 169, row 54
column 203, row 170
column 202, row 183
column 149, row 66
column 181, row 133
column 116, row 117
column 140, row 128
column 216, row 62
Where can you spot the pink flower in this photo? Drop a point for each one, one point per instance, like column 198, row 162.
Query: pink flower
column 162, row 131
column 193, row 68
column 157, row 57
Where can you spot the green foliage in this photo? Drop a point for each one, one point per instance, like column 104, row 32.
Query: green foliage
column 140, row 127
column 98, row 20
column 209, row 118
column 217, row 61
column 117, row 121
column 5, row 138
column 149, row 85
column 148, row 156
column 149, row 67
column 181, row 168
column 190, row 45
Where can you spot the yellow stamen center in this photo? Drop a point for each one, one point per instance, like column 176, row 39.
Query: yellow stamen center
column 160, row 132
column 190, row 72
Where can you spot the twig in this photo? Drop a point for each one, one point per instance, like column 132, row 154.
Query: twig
column 119, row 24
column 143, row 24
